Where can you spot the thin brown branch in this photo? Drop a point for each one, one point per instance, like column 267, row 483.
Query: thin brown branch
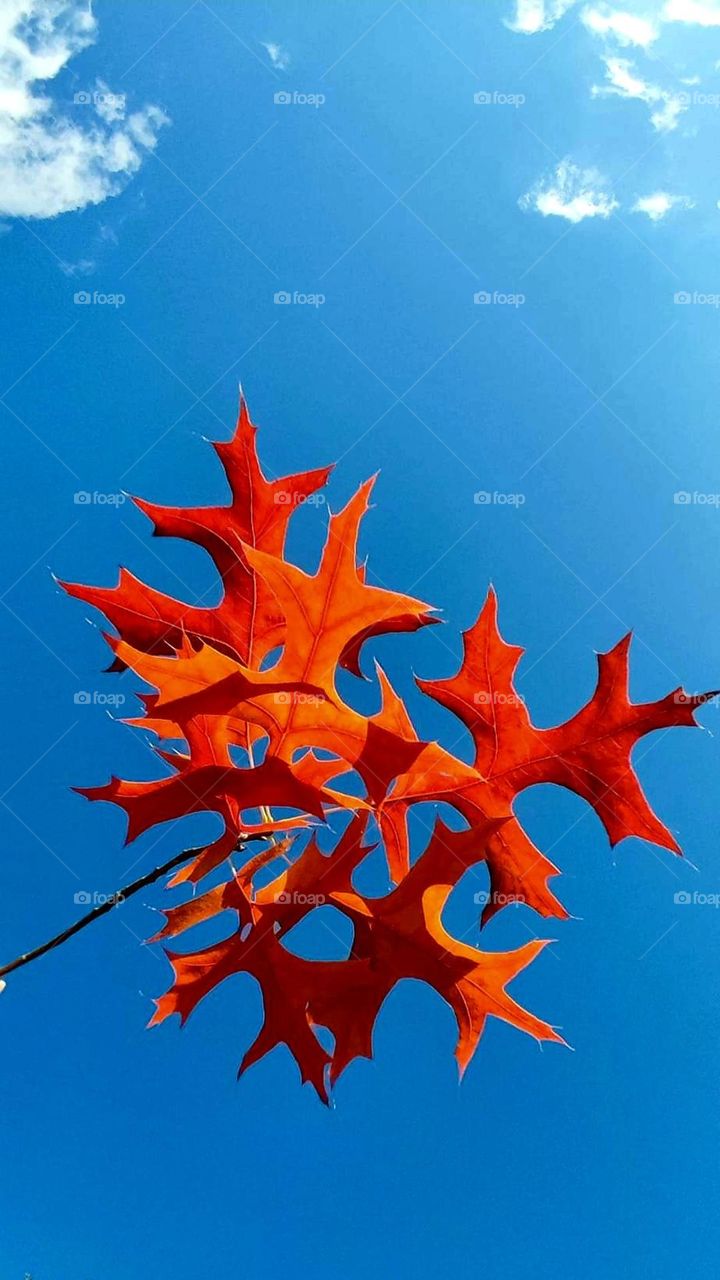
column 112, row 900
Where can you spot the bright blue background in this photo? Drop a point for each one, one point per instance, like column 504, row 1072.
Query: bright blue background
column 128, row 1153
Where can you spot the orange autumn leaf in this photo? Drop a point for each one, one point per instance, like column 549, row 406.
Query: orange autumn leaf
column 589, row 754
column 249, row 723
column 246, row 623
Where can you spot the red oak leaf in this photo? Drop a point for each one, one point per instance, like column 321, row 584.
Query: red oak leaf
column 246, row 623
column 589, row 754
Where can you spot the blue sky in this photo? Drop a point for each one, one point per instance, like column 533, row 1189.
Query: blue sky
column 578, row 198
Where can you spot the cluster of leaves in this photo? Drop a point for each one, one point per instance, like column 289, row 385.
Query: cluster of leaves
column 249, row 690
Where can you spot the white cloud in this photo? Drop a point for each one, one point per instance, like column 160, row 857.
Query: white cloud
column 56, row 157
column 570, row 192
column 625, row 83
column 666, row 116
column 109, row 106
column 703, row 13
column 532, row 16
column 279, row 57
column 626, row 28
column 84, row 267
column 659, row 204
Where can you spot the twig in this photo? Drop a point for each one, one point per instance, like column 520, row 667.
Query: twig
column 113, row 900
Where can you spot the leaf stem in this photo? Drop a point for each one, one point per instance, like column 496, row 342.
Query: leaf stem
column 113, row 900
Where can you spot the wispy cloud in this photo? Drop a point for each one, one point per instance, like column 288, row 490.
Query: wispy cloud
column 659, row 204
column 623, row 81
column 55, row 155
column 703, row 13
column 532, row 16
column 83, row 267
column 624, row 25
column 570, row 192
column 626, row 28
column 279, row 57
